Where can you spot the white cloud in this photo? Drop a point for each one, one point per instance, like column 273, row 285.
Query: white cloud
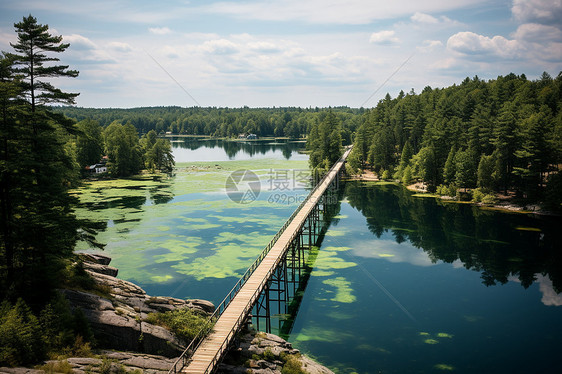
column 549, row 296
column 534, row 32
column 332, row 11
column 79, row 42
column 220, row 47
column 469, row 43
column 120, row 46
column 383, row 37
column 159, row 30
column 423, row 18
column 543, row 11
column 429, row 45
column 392, row 251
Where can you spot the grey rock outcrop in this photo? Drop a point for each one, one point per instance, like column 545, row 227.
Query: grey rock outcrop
column 118, row 319
column 261, row 353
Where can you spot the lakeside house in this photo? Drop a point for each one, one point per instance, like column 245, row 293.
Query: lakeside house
column 100, row 167
column 248, row 137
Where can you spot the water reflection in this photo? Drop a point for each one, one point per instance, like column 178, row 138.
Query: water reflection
column 498, row 245
column 193, row 149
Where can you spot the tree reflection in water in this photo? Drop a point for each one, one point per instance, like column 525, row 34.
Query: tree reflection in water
column 502, row 246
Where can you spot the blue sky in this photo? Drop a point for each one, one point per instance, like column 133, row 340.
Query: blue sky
column 288, row 52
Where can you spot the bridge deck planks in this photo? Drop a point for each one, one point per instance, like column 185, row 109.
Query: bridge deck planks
column 202, row 360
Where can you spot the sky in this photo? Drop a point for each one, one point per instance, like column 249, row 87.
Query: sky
column 304, row 53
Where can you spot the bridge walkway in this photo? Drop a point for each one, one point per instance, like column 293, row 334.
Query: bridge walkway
column 209, row 352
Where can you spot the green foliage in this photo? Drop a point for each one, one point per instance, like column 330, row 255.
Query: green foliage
column 450, row 170
column 20, row 335
column 292, row 364
column 184, row 323
column 447, row 190
column 407, row 175
column 61, row 366
column 553, row 200
column 503, row 134
column 325, row 142
column 26, row 339
column 123, row 149
column 157, row 152
column 221, row 122
column 385, row 175
column 89, row 143
column 465, row 175
column 477, row 195
column 38, row 229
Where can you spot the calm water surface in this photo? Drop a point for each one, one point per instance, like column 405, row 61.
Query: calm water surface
column 401, row 284
column 411, row 285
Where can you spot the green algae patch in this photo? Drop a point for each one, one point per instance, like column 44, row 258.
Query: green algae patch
column 336, row 249
column 431, row 341
column 227, row 260
column 533, row 229
column 385, row 255
column 328, row 260
column 343, row 290
column 340, row 316
column 178, row 250
column 322, row 335
column 444, row 335
column 161, row 278
column 370, row 348
column 321, row 273
column 200, row 226
column 444, row 367
column 424, row 333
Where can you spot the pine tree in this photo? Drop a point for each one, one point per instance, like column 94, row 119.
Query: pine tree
column 450, row 169
column 39, row 227
column 34, row 41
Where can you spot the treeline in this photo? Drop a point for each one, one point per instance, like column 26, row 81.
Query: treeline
column 219, row 122
column 502, row 135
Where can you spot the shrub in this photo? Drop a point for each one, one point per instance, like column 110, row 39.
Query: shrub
column 20, row 335
column 489, row 199
column 57, row 367
column 385, row 175
column 477, row 195
column 268, row 355
column 292, row 364
column 184, row 323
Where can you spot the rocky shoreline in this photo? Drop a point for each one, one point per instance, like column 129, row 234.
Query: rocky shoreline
column 118, row 323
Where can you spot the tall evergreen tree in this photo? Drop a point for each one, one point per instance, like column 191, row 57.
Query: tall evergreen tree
column 325, row 142
column 39, row 227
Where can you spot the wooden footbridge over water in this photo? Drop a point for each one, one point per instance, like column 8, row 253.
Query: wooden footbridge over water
column 272, row 279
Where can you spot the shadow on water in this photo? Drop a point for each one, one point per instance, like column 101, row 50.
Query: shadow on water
column 331, row 210
column 496, row 244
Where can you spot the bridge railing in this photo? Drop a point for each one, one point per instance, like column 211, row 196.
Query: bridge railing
column 183, row 360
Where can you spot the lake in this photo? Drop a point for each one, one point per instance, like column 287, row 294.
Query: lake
column 401, row 284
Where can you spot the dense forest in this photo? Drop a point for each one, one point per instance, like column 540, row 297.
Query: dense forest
column 219, row 122
column 498, row 136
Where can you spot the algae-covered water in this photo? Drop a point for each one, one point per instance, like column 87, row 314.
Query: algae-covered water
column 400, row 284
column 182, row 235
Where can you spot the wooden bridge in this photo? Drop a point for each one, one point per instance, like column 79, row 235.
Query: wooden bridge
column 206, row 351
